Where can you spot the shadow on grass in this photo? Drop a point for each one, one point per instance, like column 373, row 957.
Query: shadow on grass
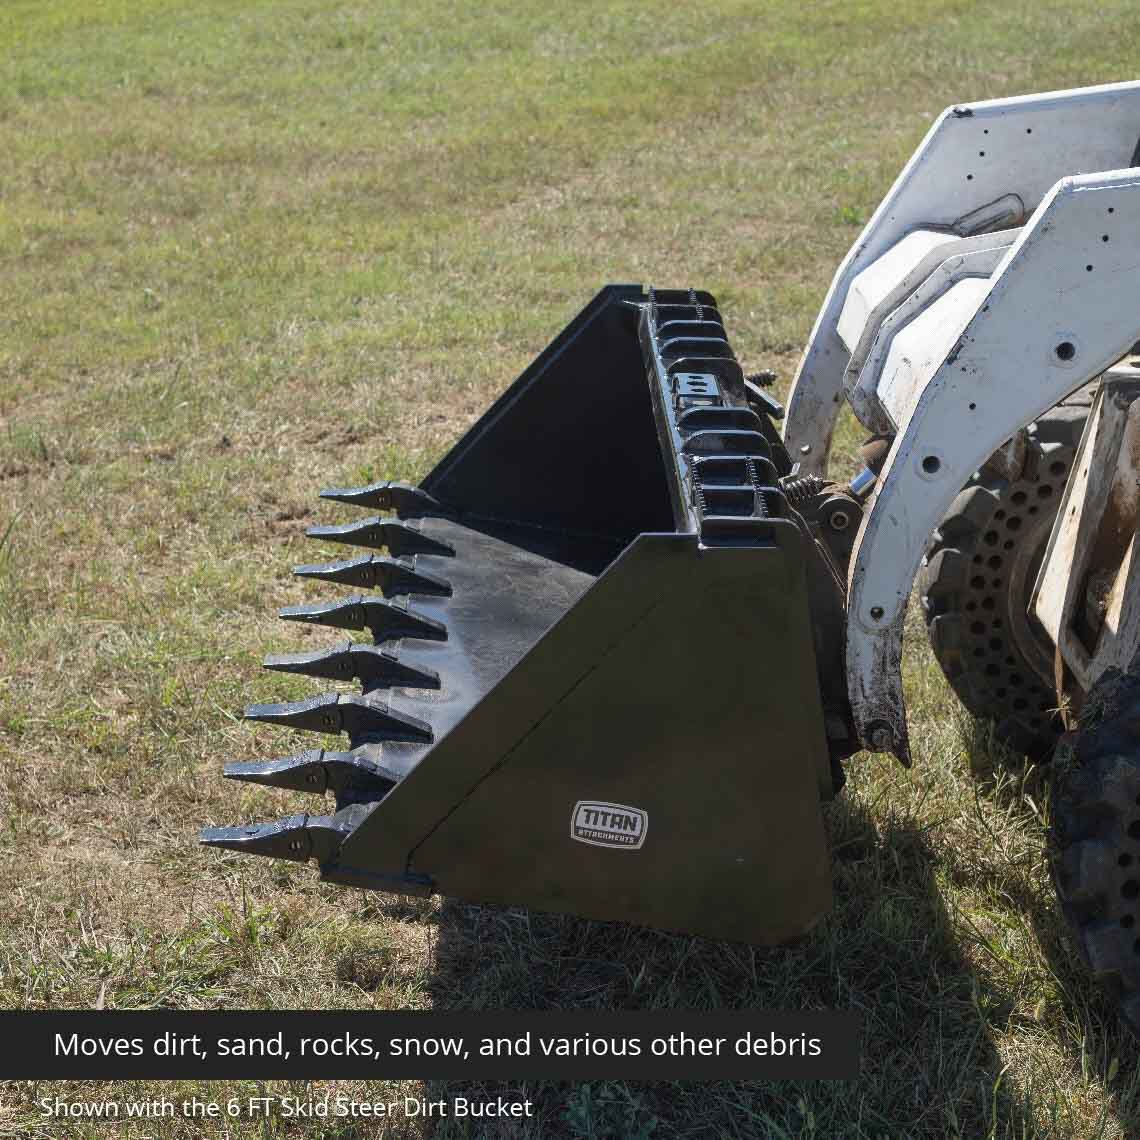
column 887, row 950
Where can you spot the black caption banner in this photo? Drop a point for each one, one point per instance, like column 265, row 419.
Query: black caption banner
column 658, row 1045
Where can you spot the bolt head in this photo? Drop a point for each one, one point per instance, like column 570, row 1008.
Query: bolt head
column 882, row 738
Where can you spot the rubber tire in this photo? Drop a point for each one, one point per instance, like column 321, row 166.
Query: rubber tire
column 967, row 588
column 1095, row 841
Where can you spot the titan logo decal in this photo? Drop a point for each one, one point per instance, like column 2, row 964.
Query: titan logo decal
column 608, row 825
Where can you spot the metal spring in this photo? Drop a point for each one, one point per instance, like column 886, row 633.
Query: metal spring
column 754, row 477
column 798, row 491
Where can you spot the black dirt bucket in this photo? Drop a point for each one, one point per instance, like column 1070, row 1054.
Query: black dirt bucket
column 592, row 681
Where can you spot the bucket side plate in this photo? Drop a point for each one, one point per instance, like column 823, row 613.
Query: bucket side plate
column 682, row 687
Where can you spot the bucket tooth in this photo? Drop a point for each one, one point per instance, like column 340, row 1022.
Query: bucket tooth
column 343, row 712
column 407, row 501
column 334, row 663
column 386, row 620
column 376, row 572
column 297, row 837
column 368, row 663
column 316, row 770
column 399, row 537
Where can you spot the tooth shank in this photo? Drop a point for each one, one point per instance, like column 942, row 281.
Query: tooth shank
column 374, row 666
column 400, row 538
column 360, row 717
column 371, row 571
column 386, row 620
column 407, row 501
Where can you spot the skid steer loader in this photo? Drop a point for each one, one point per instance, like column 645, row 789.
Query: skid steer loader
column 626, row 633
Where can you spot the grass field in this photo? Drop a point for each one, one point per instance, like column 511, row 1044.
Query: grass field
column 248, row 250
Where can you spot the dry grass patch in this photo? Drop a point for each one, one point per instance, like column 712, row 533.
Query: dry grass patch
column 247, row 253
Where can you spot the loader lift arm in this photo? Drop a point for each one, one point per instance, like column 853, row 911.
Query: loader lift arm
column 977, row 366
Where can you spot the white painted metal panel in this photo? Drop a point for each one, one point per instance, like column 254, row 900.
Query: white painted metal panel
column 972, row 154
column 919, row 348
column 883, row 275
column 923, row 284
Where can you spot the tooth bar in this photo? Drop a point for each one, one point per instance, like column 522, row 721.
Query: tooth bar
column 297, row 837
column 407, row 501
column 373, row 570
column 375, row 666
column 343, row 712
column 400, row 538
column 316, row 771
column 385, row 620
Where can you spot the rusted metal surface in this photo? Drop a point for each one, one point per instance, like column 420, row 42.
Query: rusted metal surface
column 1087, row 596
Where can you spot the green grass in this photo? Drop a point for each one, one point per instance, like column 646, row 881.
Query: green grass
column 248, row 250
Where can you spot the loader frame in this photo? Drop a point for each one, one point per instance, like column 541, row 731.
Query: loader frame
column 986, row 347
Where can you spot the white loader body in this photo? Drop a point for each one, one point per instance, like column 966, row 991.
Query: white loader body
column 998, row 276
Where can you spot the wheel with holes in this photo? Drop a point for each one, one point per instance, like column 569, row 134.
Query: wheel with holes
column 978, row 575
column 1095, row 838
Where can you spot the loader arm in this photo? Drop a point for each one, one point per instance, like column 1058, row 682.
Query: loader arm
column 979, row 363
column 982, row 166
